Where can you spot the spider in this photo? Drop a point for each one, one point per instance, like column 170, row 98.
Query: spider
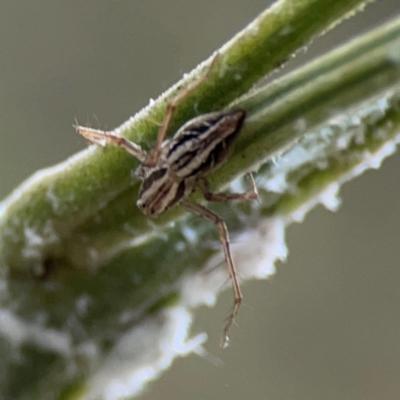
column 176, row 166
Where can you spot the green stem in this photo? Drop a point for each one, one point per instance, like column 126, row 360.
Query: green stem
column 45, row 211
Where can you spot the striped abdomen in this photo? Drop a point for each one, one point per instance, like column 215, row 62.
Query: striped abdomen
column 198, row 147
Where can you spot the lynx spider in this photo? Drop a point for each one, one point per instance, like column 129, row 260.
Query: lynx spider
column 174, row 167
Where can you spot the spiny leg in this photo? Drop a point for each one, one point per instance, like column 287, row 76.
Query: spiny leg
column 155, row 152
column 224, row 237
column 97, row 136
column 222, row 196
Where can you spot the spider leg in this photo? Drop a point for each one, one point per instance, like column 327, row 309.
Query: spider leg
column 222, row 196
column 99, row 137
column 155, row 152
column 224, row 237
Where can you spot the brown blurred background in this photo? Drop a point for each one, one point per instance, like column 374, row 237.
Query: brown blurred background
column 327, row 326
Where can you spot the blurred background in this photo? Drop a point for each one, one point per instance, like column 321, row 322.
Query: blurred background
column 327, row 325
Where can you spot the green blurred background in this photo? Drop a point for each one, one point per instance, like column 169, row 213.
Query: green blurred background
column 327, row 325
